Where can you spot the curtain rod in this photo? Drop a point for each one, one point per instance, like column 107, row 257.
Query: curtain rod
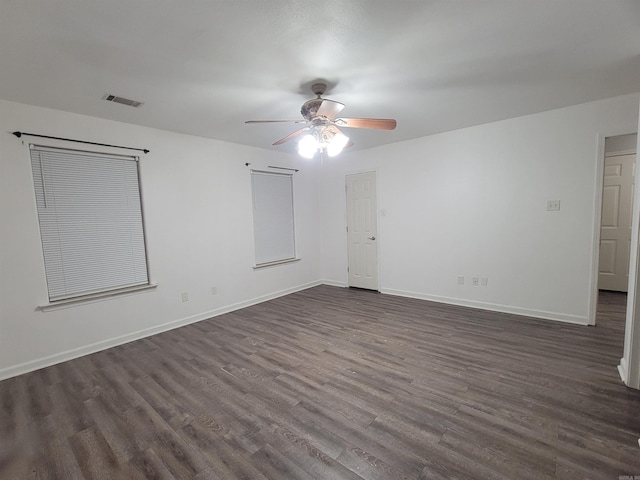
column 279, row 168
column 19, row 134
column 285, row 168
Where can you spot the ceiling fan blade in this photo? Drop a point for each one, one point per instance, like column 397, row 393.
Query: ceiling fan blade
column 377, row 123
column 329, row 109
column 291, row 135
column 275, row 121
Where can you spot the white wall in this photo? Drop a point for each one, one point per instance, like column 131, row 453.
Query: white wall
column 472, row 202
column 198, row 215
column 621, row 143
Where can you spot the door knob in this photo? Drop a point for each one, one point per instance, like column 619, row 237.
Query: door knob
column 372, row 238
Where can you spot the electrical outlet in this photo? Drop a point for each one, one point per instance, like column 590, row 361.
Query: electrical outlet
column 460, row 280
column 185, row 296
column 484, row 281
column 214, row 290
column 553, row 205
column 474, row 281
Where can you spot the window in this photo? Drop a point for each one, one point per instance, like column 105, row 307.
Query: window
column 90, row 217
column 273, row 217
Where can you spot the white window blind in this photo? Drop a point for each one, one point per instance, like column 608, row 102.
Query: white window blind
column 273, row 219
column 90, row 217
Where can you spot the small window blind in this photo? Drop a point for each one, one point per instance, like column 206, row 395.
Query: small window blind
column 90, row 217
column 273, row 219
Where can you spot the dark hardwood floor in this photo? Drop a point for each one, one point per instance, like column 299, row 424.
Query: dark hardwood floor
column 333, row 383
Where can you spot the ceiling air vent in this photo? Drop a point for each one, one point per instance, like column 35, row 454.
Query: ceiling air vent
column 123, row 101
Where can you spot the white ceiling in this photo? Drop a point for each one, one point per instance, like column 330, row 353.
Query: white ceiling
column 203, row 67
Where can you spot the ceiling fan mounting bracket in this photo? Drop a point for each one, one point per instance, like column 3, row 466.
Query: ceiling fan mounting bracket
column 319, row 88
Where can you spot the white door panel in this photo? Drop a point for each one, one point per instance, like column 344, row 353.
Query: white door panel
column 362, row 232
column 610, row 206
column 608, row 257
column 615, row 231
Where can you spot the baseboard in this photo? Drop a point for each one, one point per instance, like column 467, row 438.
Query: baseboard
column 334, row 283
column 622, row 370
column 495, row 307
column 47, row 361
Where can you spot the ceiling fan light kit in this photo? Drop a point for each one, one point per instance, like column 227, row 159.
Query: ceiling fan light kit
column 320, row 140
column 307, row 146
column 322, row 133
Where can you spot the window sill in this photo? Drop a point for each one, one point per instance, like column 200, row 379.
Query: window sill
column 70, row 302
column 273, row 264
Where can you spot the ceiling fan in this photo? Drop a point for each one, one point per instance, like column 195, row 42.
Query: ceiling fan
column 322, row 130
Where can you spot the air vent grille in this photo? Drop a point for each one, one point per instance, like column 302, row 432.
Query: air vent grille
column 123, row 101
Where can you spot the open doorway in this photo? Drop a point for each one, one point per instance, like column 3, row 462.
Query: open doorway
column 615, row 231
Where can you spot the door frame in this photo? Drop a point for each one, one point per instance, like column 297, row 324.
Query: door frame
column 629, row 367
column 346, row 223
column 597, row 210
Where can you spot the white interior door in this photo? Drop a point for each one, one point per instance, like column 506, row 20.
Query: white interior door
column 615, row 230
column 362, row 230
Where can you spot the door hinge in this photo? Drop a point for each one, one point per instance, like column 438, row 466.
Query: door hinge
column 347, row 269
column 347, row 228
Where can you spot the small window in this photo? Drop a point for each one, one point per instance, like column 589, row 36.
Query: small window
column 273, row 219
column 90, row 216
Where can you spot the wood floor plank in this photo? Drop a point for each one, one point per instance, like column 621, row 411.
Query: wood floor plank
column 371, row 467
column 318, row 464
column 334, row 383
column 223, row 458
column 276, row 465
column 55, row 459
column 355, row 441
column 95, row 457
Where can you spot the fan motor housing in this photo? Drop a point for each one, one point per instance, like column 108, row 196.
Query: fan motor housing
column 310, row 108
